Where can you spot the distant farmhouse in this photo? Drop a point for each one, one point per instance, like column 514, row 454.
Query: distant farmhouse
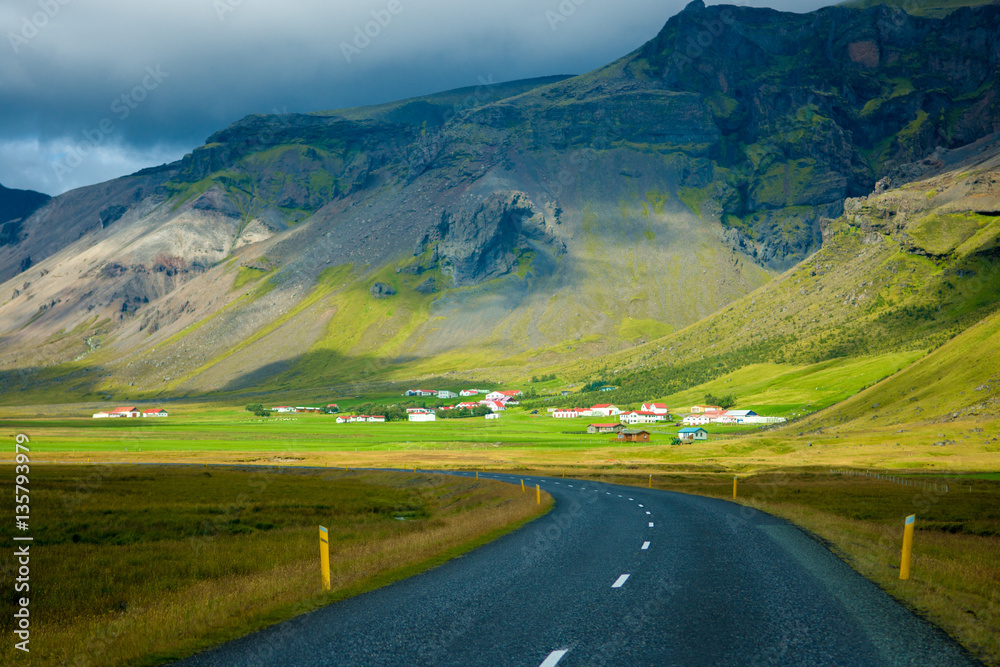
column 631, row 435
column 691, row 434
column 420, row 392
column 422, row 417
column 130, row 412
column 613, row 427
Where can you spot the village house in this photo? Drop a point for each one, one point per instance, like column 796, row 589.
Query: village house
column 571, row 413
column 332, row 406
column 605, row 410
column 697, row 420
column 691, row 434
column 343, row 419
column 283, row 408
column 468, row 405
column 444, row 393
column 468, row 392
column 376, row 418
column 632, row 435
column 495, row 406
column 506, row 395
column 420, row 392
column 605, row 428
column 640, row 417
column 124, row 412
column 658, row 408
column 738, row 417
column 607, row 388
column 493, row 415
column 422, row 417
column 157, row 412
column 696, row 409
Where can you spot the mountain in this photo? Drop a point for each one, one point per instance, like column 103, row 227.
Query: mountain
column 498, row 228
column 15, row 206
column 907, row 269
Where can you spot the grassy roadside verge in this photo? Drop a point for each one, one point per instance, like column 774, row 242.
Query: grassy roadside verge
column 141, row 565
column 955, row 577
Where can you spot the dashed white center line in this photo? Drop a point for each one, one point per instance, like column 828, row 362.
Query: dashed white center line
column 650, row 524
column 645, row 545
column 648, row 512
column 570, row 486
column 619, row 495
column 639, row 505
column 554, row 658
column 620, row 581
column 634, row 499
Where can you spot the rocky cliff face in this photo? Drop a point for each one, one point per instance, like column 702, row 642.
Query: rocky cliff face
column 643, row 195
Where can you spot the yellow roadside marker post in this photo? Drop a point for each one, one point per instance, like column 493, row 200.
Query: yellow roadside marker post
column 734, row 487
column 477, row 474
column 522, row 486
column 538, row 494
column 904, row 565
column 324, row 557
column 650, row 481
column 564, row 474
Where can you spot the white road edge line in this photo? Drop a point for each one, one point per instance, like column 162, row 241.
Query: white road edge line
column 620, row 581
column 645, row 545
column 554, row 658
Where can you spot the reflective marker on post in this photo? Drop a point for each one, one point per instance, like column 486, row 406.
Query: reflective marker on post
column 538, row 494
column 650, row 481
column 904, row 565
column 734, row 487
column 324, row 557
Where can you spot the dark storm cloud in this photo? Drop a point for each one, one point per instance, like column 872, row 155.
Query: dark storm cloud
column 94, row 90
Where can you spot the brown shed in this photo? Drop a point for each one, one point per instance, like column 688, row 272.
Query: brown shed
column 632, row 435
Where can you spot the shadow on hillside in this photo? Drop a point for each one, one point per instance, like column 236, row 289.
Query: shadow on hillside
column 320, row 370
column 34, row 384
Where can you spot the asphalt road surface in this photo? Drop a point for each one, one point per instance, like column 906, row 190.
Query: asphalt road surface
column 616, row 575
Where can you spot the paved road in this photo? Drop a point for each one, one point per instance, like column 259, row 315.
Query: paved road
column 616, row 576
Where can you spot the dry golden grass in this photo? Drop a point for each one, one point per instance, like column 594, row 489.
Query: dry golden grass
column 158, row 597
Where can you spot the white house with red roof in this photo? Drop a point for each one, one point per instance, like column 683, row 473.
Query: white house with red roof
column 469, row 392
column 697, row 409
column 506, row 395
column 495, row 406
column 605, row 410
column 422, row 417
column 419, row 411
column 658, row 408
column 468, row 405
column 129, row 412
column 156, row 412
column 283, row 408
column 572, row 413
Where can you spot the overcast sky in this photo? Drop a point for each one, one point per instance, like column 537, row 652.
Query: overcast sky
column 145, row 82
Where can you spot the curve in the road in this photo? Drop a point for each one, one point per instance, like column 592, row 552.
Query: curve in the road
column 616, row 576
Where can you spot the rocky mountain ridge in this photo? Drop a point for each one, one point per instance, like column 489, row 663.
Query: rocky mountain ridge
column 599, row 210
